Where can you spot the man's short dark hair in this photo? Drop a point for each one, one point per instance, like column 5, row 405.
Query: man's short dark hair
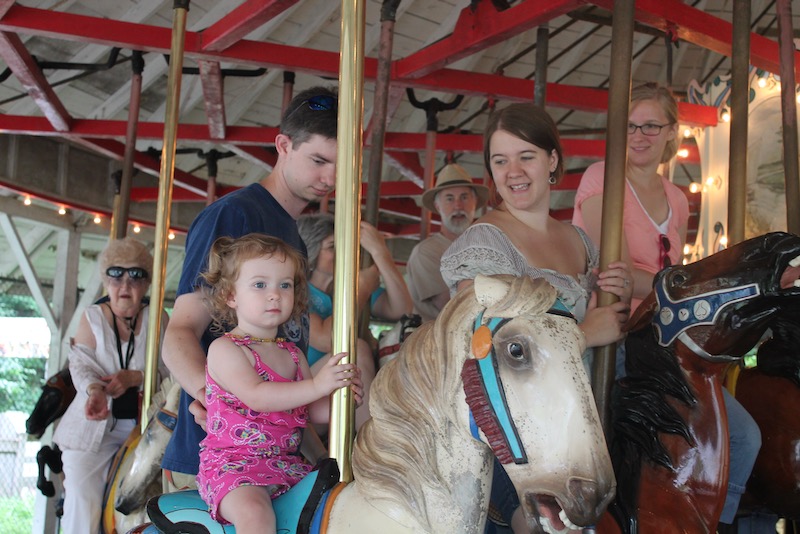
column 304, row 118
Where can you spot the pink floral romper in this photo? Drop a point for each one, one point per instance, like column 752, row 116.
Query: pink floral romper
column 248, row 448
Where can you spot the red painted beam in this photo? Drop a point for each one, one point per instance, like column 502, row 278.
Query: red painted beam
column 480, row 27
column 258, row 155
column 698, row 27
column 239, row 22
column 213, row 84
column 17, row 58
column 249, row 135
column 407, row 163
column 150, row 194
column 155, row 39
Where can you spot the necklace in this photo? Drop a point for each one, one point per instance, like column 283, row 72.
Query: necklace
column 247, row 338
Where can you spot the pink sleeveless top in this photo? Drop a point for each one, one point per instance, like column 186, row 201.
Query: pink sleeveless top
column 246, row 447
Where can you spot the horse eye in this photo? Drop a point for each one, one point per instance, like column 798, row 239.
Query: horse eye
column 677, row 278
column 516, row 351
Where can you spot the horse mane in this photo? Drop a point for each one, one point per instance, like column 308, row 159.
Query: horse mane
column 407, row 400
column 412, row 398
column 641, row 411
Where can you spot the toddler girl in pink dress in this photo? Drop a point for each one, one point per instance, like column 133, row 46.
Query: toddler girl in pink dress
column 259, row 391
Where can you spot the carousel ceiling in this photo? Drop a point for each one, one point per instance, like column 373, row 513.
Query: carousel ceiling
column 67, row 68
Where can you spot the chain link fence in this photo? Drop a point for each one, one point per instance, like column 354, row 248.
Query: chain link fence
column 18, row 474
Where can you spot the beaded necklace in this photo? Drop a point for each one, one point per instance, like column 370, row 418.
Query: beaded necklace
column 247, row 338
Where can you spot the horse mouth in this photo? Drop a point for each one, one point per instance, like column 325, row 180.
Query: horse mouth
column 548, row 513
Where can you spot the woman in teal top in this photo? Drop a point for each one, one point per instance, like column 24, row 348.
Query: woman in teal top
column 389, row 302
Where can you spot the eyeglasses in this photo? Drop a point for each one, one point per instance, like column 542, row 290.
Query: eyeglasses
column 316, row 103
column 134, row 273
column 664, row 246
column 650, row 129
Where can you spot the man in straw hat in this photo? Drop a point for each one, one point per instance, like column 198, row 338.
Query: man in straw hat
column 455, row 198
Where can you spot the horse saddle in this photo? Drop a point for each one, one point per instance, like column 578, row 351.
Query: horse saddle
column 297, row 510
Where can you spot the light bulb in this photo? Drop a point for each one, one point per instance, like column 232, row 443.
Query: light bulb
column 687, row 132
column 762, row 82
column 694, row 187
column 686, row 250
column 97, row 219
column 726, row 116
column 683, row 153
column 723, row 241
column 62, row 210
column 171, row 235
column 27, row 201
column 136, row 229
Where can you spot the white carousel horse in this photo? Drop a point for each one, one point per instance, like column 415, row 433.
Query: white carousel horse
column 391, row 340
column 135, row 475
column 498, row 374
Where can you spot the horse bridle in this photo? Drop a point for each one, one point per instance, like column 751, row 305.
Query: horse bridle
column 492, row 385
column 674, row 317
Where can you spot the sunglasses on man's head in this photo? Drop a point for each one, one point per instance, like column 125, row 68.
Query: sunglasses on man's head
column 664, row 246
column 134, row 273
column 317, row 103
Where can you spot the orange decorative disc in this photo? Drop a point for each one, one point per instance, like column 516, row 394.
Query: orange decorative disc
column 481, row 342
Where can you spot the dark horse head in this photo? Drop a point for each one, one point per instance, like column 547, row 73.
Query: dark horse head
column 698, row 317
column 57, row 394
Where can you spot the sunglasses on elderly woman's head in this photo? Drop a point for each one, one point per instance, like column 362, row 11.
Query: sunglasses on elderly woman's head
column 134, row 273
column 664, row 246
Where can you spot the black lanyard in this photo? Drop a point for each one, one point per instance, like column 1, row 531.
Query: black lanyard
column 129, row 353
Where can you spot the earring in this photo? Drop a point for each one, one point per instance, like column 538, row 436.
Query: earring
column 552, row 179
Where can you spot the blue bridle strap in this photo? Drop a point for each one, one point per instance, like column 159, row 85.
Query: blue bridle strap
column 493, row 388
column 674, row 317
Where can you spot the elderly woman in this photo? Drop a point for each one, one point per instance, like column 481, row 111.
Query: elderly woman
column 389, row 302
column 107, row 362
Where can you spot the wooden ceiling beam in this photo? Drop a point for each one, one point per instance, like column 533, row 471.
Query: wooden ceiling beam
column 480, row 26
column 246, row 18
column 213, row 84
column 24, row 67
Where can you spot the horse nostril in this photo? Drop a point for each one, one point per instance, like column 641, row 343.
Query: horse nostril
column 586, row 493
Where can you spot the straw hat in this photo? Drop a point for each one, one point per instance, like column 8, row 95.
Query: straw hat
column 453, row 175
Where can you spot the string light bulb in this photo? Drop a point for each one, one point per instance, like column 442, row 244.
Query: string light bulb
column 171, row 235
column 27, row 200
column 687, row 132
column 97, row 219
column 136, row 229
column 683, row 153
column 762, row 82
column 62, row 210
column 694, row 187
column 726, row 116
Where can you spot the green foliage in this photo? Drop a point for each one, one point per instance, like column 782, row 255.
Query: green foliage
column 18, row 306
column 16, row 514
column 21, row 380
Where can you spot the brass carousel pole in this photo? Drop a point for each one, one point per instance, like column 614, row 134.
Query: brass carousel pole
column 740, row 90
column 619, row 95
column 166, row 178
column 122, row 201
column 347, row 221
column 789, row 111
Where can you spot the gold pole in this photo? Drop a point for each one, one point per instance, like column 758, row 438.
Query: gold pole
column 166, row 178
column 740, row 91
column 347, row 221
column 619, row 95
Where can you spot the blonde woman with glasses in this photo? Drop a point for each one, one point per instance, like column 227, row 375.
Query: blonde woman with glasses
column 655, row 219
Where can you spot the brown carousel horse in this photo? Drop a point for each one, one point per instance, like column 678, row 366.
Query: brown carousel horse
column 771, row 393
column 670, row 437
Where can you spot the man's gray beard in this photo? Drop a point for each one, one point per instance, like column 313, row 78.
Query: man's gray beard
column 456, row 227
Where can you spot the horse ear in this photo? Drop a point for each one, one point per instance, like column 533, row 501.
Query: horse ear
column 489, row 290
column 643, row 315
